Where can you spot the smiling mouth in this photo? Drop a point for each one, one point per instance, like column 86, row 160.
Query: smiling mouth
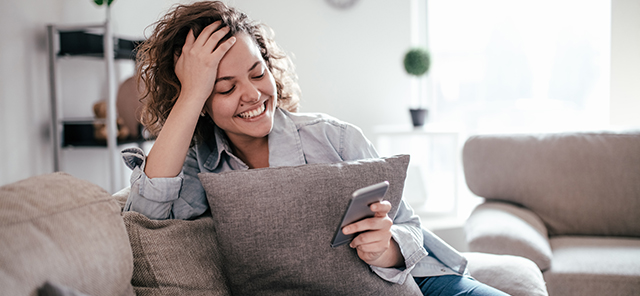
column 254, row 112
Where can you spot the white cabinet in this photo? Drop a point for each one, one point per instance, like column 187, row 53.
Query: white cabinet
column 431, row 187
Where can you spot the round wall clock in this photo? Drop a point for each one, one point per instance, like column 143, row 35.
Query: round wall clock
column 342, row 4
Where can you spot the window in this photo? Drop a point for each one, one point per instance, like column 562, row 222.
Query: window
column 519, row 66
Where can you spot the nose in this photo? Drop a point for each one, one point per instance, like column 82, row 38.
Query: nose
column 250, row 93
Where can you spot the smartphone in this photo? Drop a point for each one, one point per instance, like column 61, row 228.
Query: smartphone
column 358, row 209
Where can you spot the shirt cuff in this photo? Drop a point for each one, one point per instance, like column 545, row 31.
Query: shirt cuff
column 157, row 189
column 411, row 249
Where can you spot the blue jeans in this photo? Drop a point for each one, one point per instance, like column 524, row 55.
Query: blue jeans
column 454, row 285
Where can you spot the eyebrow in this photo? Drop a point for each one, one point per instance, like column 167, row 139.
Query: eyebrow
column 231, row 77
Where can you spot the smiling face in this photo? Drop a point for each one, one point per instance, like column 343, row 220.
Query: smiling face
column 244, row 97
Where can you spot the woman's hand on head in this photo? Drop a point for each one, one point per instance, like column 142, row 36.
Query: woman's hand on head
column 375, row 244
column 197, row 66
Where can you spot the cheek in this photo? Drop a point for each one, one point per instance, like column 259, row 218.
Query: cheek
column 217, row 108
column 270, row 86
column 208, row 106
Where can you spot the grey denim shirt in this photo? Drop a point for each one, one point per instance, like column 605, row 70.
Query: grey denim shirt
column 296, row 139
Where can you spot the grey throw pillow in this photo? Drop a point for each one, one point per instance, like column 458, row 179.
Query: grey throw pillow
column 274, row 227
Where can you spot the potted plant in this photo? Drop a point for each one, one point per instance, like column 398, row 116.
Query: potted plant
column 101, row 2
column 416, row 62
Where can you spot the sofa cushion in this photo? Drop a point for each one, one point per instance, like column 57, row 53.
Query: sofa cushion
column 514, row 275
column 594, row 266
column 578, row 183
column 57, row 228
column 502, row 228
column 174, row 257
column 274, row 226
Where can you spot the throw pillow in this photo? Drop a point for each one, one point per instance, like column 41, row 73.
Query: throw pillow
column 53, row 289
column 174, row 257
column 514, row 275
column 61, row 229
column 274, row 227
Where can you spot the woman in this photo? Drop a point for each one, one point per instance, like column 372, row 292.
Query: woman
column 221, row 96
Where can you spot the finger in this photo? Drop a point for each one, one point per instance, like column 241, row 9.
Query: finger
column 206, row 33
column 191, row 38
column 377, row 247
column 380, row 208
column 370, row 237
column 215, row 38
column 224, row 47
column 188, row 43
column 368, row 224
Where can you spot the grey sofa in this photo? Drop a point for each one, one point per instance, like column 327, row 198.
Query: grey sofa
column 58, row 230
column 570, row 202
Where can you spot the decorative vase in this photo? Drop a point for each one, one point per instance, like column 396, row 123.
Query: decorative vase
column 418, row 116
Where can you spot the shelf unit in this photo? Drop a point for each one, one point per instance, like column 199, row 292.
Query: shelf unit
column 94, row 41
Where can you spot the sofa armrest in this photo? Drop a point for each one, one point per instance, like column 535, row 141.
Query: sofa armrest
column 502, row 228
column 514, row 275
column 122, row 196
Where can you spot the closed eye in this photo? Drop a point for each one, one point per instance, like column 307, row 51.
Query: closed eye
column 259, row 76
column 228, row 91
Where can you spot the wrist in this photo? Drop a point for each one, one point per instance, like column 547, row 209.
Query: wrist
column 391, row 258
column 188, row 94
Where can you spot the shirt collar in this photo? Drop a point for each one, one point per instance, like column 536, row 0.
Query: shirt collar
column 285, row 148
column 221, row 146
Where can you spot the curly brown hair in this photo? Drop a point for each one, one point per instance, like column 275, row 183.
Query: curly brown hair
column 155, row 60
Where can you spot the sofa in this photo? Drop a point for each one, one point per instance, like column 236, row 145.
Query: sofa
column 570, row 202
column 60, row 235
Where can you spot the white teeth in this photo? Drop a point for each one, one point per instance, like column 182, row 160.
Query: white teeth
column 253, row 113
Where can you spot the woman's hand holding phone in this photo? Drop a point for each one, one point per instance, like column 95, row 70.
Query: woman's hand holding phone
column 375, row 245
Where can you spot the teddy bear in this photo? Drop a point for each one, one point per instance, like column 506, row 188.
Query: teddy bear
column 99, row 126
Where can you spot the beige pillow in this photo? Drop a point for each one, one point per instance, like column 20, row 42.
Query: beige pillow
column 64, row 230
column 175, row 257
column 517, row 276
column 274, row 227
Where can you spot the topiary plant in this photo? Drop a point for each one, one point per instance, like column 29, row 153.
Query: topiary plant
column 100, row 2
column 417, row 61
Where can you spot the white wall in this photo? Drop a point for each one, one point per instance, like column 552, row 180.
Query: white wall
column 24, row 104
column 25, row 145
column 348, row 61
column 625, row 63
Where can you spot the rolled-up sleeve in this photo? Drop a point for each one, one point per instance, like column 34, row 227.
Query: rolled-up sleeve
column 162, row 198
column 407, row 232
